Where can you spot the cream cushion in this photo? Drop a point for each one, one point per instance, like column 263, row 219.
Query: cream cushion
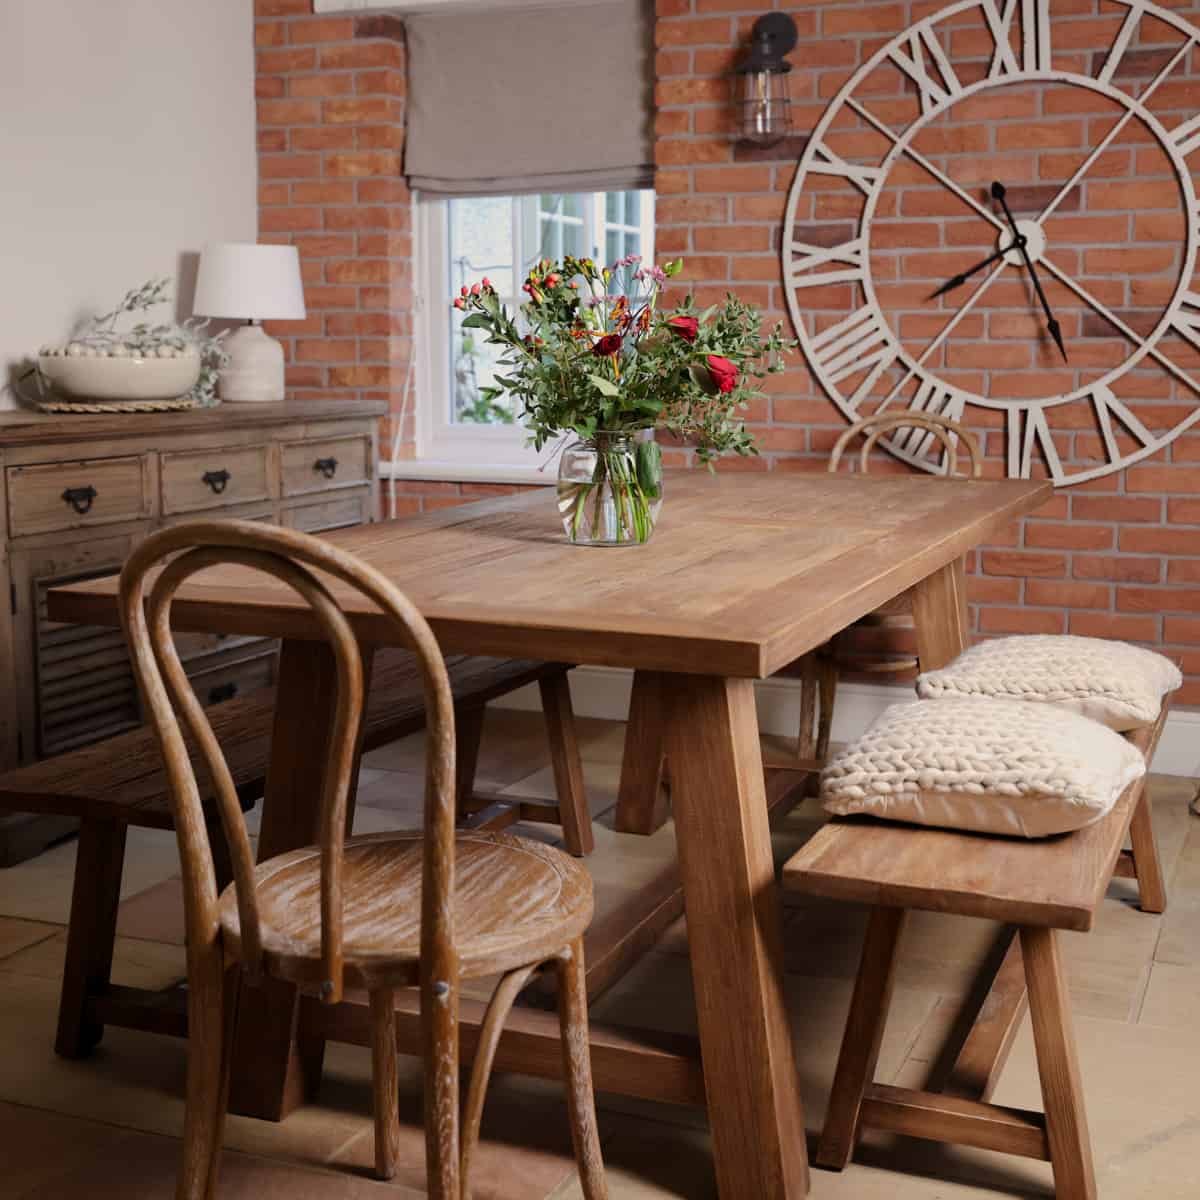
column 1119, row 685
column 991, row 766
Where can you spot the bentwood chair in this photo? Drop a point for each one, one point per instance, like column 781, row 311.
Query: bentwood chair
column 921, row 435
column 374, row 913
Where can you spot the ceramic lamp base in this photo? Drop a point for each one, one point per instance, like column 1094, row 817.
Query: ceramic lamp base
column 255, row 371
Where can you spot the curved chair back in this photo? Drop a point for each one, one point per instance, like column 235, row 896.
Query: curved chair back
column 949, row 434
column 152, row 576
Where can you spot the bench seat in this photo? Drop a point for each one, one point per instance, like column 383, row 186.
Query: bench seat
column 112, row 785
column 1034, row 888
column 121, row 779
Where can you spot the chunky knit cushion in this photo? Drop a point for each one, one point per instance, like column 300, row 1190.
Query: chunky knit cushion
column 992, row 766
column 1119, row 685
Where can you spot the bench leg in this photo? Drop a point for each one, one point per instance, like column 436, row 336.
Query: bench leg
column 642, row 799
column 1147, row 869
column 1058, row 1066
column 568, row 766
column 863, row 1037
column 91, row 934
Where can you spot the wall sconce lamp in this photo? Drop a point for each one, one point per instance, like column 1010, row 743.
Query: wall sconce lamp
column 763, row 100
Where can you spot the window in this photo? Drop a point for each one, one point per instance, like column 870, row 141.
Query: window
column 464, row 239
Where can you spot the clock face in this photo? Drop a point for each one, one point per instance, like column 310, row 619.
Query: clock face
column 995, row 220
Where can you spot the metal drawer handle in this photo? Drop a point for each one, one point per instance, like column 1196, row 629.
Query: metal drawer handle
column 327, row 467
column 80, row 498
column 223, row 691
column 217, row 480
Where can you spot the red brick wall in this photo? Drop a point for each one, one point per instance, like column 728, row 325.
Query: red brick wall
column 1118, row 556
column 330, row 93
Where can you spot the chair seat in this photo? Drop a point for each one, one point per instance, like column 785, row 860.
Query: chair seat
column 517, row 902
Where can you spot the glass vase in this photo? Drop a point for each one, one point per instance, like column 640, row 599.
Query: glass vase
column 610, row 490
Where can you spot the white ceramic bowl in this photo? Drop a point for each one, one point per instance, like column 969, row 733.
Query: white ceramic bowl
column 129, row 377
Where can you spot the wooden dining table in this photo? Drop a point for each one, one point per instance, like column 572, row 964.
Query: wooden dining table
column 745, row 573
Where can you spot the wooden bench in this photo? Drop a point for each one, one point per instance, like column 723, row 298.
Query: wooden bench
column 1035, row 888
column 117, row 783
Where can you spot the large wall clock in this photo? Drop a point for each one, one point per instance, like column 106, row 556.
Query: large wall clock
column 995, row 219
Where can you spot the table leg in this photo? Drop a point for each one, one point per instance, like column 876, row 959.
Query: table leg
column 941, row 616
column 641, row 798
column 733, row 915
column 271, row 1072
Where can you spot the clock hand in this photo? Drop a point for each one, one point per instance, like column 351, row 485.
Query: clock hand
column 963, row 276
column 998, row 193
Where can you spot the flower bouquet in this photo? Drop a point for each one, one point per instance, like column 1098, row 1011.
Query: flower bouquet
column 592, row 353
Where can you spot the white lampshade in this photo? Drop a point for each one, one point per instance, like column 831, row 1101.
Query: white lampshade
column 256, row 283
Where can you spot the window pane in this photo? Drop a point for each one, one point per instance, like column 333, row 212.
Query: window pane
column 481, row 242
column 612, row 208
column 633, row 208
column 614, row 246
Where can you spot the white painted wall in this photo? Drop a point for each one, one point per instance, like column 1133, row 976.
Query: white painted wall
column 126, row 143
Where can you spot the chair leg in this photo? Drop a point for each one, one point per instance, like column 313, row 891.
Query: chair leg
column 91, row 933
column 1058, row 1066
column 577, row 1064
column 863, row 1037
column 498, row 1009
column 210, row 1026
column 385, row 1081
column 642, row 802
column 439, row 1047
column 573, row 809
column 1152, row 890
column 468, row 733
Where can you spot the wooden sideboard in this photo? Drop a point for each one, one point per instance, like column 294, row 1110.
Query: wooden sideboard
column 79, row 492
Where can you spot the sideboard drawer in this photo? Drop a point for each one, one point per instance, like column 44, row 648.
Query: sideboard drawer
column 69, row 495
column 198, row 479
column 330, row 512
column 317, row 466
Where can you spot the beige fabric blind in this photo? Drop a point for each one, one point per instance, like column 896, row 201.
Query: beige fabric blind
column 531, row 100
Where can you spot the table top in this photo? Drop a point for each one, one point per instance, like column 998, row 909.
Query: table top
column 745, row 571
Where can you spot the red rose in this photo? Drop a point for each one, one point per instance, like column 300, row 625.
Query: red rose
column 724, row 373
column 607, row 346
column 685, row 327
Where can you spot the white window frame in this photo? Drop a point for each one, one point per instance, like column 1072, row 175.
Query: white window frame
column 446, row 449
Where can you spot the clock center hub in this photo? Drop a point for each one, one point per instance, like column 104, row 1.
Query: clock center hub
column 1035, row 242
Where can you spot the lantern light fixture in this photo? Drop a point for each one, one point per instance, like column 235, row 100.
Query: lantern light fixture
column 763, row 101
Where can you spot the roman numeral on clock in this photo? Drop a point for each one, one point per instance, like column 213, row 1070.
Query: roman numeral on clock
column 1186, row 135
column 859, row 342
column 1186, row 322
column 1035, row 36
column 1027, row 435
column 846, row 263
column 1109, row 408
column 912, row 61
column 1121, row 42
column 826, row 162
column 937, row 399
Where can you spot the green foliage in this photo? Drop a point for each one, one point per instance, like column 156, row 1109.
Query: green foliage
column 591, row 350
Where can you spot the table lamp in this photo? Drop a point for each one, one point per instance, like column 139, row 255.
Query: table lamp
column 255, row 283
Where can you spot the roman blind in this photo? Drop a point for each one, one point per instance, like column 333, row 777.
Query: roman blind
column 531, row 100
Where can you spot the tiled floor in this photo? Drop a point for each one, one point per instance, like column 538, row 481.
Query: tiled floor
column 107, row 1127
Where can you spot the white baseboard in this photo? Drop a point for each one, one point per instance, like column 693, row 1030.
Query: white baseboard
column 604, row 692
